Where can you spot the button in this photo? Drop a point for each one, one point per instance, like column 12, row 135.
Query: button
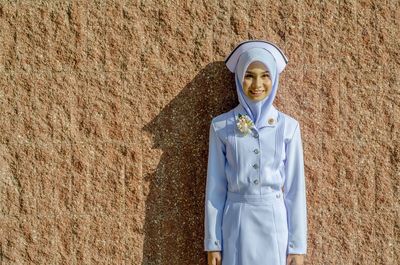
column 255, row 135
column 291, row 245
column 256, row 151
column 255, row 166
column 271, row 121
column 278, row 195
column 255, row 181
column 216, row 243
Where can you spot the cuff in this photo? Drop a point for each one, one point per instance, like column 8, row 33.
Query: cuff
column 297, row 248
column 212, row 245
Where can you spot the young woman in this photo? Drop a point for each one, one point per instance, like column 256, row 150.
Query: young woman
column 255, row 199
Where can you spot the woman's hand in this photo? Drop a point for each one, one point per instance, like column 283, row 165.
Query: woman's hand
column 295, row 259
column 214, row 257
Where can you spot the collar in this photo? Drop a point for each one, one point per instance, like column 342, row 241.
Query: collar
column 272, row 115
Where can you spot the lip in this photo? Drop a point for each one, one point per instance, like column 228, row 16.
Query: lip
column 257, row 93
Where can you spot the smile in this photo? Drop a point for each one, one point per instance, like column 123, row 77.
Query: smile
column 257, row 93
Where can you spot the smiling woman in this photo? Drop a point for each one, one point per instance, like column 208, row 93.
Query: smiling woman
column 255, row 203
column 257, row 83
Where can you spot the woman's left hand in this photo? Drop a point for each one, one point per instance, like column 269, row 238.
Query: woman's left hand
column 295, row 259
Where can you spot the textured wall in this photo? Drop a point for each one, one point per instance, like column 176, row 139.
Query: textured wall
column 105, row 109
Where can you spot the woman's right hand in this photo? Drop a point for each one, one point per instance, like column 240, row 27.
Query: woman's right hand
column 214, row 257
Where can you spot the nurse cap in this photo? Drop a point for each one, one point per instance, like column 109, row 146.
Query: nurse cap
column 280, row 58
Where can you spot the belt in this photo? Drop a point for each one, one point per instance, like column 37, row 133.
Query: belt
column 266, row 198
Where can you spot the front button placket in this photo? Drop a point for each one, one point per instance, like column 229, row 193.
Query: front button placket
column 256, row 151
column 255, row 134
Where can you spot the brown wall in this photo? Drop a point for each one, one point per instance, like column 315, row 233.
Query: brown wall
column 105, row 110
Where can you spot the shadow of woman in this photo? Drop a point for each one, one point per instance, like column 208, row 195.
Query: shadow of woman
column 174, row 220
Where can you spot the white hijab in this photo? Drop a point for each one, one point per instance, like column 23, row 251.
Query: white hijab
column 257, row 110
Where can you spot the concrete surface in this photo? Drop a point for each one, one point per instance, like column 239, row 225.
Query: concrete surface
column 105, row 108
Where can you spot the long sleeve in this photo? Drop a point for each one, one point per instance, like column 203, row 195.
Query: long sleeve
column 216, row 190
column 295, row 195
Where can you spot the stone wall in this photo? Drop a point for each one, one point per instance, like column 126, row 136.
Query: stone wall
column 105, row 110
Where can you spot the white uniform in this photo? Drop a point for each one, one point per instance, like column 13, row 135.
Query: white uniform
column 255, row 203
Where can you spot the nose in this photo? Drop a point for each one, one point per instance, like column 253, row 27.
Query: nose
column 257, row 82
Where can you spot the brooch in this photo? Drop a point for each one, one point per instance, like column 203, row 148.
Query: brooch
column 244, row 123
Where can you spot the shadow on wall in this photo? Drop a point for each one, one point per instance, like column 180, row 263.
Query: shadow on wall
column 175, row 205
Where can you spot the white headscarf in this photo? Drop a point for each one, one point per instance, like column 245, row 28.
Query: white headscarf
column 257, row 110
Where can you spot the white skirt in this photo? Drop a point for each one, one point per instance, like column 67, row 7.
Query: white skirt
column 254, row 229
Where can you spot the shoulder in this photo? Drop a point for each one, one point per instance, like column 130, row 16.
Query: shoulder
column 220, row 122
column 291, row 125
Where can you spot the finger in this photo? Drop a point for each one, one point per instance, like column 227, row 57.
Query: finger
column 217, row 259
column 211, row 260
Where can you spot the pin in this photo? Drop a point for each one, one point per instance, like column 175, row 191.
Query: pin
column 271, row 121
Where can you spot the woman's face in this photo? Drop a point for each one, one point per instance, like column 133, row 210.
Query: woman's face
column 257, row 82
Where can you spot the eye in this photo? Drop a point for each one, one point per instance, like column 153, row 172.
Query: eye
column 265, row 75
column 248, row 76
